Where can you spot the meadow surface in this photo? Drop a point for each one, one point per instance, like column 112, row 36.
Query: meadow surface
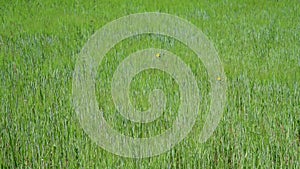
column 258, row 42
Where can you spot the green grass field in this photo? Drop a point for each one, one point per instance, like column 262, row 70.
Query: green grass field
column 258, row 43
